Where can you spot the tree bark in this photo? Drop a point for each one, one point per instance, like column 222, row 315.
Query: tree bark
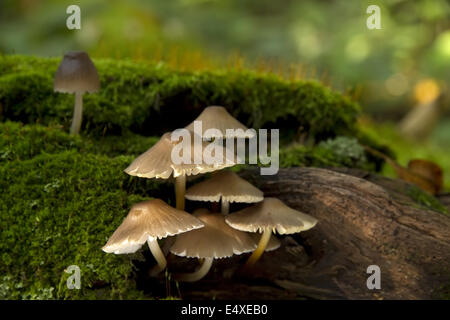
column 364, row 219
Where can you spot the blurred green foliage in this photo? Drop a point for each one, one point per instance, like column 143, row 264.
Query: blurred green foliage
column 326, row 36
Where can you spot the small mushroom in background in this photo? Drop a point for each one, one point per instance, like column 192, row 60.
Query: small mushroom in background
column 149, row 221
column 215, row 241
column 267, row 216
column 157, row 163
column 217, row 117
column 225, row 186
column 76, row 74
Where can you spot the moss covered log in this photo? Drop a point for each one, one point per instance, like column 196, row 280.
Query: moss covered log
column 144, row 98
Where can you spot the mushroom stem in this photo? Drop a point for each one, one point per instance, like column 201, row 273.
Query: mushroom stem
column 196, row 275
column 225, row 206
column 77, row 113
column 158, row 255
column 260, row 249
column 180, row 190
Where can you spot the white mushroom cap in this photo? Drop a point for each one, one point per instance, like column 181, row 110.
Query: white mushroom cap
column 149, row 220
column 227, row 185
column 157, row 161
column 216, row 240
column 273, row 214
column 76, row 73
column 217, row 117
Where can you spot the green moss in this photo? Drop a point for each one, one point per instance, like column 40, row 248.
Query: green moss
column 144, row 98
column 21, row 142
column 126, row 144
column 426, row 200
column 346, row 151
column 58, row 210
column 338, row 152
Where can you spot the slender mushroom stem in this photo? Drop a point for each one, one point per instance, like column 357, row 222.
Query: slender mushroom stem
column 196, row 275
column 77, row 113
column 158, row 255
column 180, row 190
column 260, row 249
column 225, row 206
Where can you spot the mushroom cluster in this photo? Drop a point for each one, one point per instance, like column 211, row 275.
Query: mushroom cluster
column 204, row 235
